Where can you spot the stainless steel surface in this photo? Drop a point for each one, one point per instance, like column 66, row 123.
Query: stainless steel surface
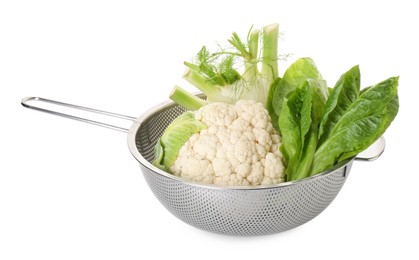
column 26, row 102
column 373, row 152
column 239, row 211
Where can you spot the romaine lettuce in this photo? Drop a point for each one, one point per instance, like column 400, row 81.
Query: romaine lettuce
column 365, row 120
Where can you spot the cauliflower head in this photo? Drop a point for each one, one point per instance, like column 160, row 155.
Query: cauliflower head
column 236, row 145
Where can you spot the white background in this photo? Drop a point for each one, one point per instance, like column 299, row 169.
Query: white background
column 69, row 190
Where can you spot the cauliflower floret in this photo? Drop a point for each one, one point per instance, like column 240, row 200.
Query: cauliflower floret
column 239, row 147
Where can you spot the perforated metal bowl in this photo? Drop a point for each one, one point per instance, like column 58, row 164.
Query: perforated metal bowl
column 243, row 211
column 239, row 211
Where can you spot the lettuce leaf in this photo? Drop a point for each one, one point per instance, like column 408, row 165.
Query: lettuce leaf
column 298, row 123
column 345, row 92
column 323, row 126
column 365, row 120
column 269, row 103
column 294, row 76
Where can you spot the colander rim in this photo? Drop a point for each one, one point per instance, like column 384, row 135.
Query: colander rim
column 131, row 138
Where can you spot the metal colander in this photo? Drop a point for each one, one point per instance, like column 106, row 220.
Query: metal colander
column 239, row 211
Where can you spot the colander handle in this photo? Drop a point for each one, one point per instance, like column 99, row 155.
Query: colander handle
column 25, row 102
column 373, row 152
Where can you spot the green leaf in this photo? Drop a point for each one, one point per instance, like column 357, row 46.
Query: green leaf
column 174, row 137
column 158, row 156
column 226, row 71
column 299, row 131
column 372, row 101
column 392, row 109
column 304, row 166
column 291, row 138
column 360, row 126
column 320, row 93
column 305, row 113
column 269, row 105
column 300, row 70
column 296, row 74
column 345, row 92
column 312, row 112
